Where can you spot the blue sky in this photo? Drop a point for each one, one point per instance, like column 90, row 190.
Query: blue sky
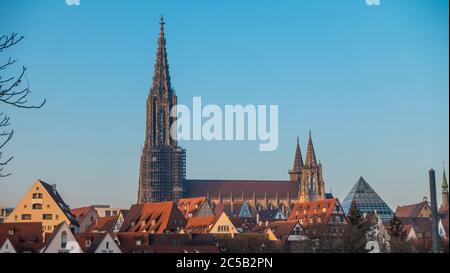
column 370, row 82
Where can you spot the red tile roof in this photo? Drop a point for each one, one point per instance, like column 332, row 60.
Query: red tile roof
column 316, row 212
column 199, row 224
column 25, row 237
column 189, row 206
column 104, row 224
column 154, row 217
column 420, row 224
column 282, row 229
column 79, row 213
column 128, row 242
column 410, row 210
column 185, row 249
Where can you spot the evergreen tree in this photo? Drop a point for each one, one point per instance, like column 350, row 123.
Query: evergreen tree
column 355, row 216
column 396, row 227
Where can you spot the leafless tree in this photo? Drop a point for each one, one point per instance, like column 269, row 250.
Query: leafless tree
column 14, row 92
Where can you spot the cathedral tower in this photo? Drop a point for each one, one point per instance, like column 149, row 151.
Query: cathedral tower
column 163, row 163
column 308, row 175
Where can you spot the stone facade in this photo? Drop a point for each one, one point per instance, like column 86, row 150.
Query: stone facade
column 163, row 163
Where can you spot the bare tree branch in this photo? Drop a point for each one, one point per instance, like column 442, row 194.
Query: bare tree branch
column 13, row 92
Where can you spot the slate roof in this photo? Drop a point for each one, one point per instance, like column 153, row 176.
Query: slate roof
column 226, row 188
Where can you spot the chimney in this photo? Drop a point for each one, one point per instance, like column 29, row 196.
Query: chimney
column 257, row 218
column 231, row 205
column 434, row 213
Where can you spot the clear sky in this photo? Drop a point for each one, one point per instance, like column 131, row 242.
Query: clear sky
column 371, row 82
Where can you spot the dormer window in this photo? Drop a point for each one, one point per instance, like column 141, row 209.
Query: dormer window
column 88, row 243
column 11, row 232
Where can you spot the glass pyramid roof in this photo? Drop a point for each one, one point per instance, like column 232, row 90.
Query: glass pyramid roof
column 367, row 200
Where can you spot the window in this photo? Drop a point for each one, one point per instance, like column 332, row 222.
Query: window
column 138, row 241
column 57, row 217
column 107, row 213
column 223, row 229
column 63, row 239
column 37, row 206
column 107, row 245
column 37, row 195
column 47, row 216
column 26, row 216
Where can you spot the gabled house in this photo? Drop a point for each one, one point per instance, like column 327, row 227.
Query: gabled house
column 43, row 203
column 421, row 209
column 288, row 231
column 97, row 242
column 85, row 216
column 195, row 207
column 325, row 216
column 4, row 212
column 220, row 224
column 235, row 209
column 21, row 238
column 121, row 215
column 271, row 215
column 133, row 242
column 103, row 224
column 156, row 218
column 417, row 227
column 62, row 240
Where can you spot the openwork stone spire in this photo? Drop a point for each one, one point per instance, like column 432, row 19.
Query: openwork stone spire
column 163, row 162
column 298, row 160
column 310, row 154
column 161, row 78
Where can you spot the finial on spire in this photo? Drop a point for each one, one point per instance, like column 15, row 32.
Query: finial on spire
column 298, row 140
column 310, row 134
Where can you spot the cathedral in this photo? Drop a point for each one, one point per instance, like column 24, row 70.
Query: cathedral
column 162, row 174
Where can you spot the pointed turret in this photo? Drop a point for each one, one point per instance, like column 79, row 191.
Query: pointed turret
column 444, row 181
column 310, row 154
column 444, row 191
column 298, row 160
column 161, row 77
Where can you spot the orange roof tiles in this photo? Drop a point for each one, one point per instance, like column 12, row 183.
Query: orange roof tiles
column 200, row 224
column 103, row 224
column 282, row 229
column 409, row 210
column 154, row 217
column 316, row 212
column 190, row 205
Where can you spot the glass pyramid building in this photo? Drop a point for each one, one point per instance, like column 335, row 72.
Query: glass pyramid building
column 367, row 200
